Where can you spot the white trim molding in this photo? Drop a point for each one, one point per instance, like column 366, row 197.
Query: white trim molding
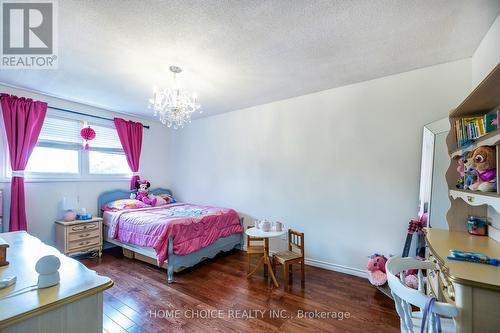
column 330, row 266
column 337, row 268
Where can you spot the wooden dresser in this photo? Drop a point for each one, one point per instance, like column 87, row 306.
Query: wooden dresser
column 473, row 288
column 74, row 305
column 76, row 237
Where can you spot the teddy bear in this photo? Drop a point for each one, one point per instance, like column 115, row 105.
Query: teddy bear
column 142, row 187
column 484, row 160
column 376, row 269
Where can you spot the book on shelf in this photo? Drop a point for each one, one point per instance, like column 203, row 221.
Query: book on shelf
column 469, row 129
column 491, row 120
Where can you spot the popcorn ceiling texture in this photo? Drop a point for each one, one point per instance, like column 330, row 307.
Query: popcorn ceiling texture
column 237, row 54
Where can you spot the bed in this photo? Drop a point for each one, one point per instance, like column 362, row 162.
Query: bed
column 215, row 230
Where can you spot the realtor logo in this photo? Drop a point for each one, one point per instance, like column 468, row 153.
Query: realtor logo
column 29, row 39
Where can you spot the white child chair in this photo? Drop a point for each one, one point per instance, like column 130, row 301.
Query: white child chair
column 440, row 314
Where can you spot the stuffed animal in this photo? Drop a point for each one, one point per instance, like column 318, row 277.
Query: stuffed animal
column 411, row 281
column 485, row 163
column 461, row 173
column 142, row 187
column 411, row 278
column 376, row 269
column 470, row 173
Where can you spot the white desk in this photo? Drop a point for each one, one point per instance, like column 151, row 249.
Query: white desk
column 473, row 288
column 254, row 232
column 74, row 305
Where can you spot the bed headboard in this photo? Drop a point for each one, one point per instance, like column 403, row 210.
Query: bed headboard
column 108, row 196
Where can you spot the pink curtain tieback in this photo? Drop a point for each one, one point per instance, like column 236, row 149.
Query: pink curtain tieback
column 18, row 173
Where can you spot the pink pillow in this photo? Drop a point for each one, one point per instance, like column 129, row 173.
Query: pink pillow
column 124, row 204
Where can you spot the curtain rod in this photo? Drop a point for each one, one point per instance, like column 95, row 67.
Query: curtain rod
column 86, row 115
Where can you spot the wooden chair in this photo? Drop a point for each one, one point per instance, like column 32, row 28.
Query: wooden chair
column 294, row 255
column 405, row 297
column 256, row 246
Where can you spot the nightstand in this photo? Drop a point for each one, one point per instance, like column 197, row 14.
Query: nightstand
column 76, row 237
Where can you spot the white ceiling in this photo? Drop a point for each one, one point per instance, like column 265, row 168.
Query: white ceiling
column 237, row 54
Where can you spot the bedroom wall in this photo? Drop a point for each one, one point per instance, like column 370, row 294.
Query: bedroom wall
column 341, row 165
column 43, row 198
column 487, row 55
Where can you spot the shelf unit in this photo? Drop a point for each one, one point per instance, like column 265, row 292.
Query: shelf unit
column 475, row 198
column 490, row 139
column 483, row 99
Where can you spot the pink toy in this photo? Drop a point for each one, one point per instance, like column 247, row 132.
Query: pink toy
column 411, row 281
column 461, row 167
column 142, row 187
column 376, row 269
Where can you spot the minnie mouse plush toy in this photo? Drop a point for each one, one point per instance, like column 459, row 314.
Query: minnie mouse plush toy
column 142, row 187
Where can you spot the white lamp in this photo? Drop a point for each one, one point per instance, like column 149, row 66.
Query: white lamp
column 69, row 205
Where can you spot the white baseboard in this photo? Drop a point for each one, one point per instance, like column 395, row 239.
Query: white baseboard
column 332, row 267
column 337, row 268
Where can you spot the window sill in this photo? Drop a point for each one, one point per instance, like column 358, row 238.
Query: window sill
column 97, row 179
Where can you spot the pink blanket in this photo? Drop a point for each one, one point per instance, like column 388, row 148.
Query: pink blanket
column 192, row 227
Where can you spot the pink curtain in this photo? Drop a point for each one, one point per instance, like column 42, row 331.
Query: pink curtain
column 23, row 120
column 130, row 134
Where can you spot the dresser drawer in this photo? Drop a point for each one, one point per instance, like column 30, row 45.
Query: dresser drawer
column 79, row 236
column 84, row 227
column 84, row 243
column 83, row 235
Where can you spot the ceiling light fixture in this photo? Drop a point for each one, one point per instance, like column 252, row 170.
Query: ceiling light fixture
column 173, row 105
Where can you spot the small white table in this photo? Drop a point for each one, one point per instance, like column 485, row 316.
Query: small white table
column 254, row 232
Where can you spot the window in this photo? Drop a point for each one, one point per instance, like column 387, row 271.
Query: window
column 59, row 152
column 106, row 154
column 43, row 159
column 58, row 148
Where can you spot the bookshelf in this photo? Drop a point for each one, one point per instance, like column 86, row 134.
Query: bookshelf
column 483, row 99
column 461, row 283
column 490, row 139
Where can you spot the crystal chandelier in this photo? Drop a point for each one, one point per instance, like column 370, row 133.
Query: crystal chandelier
column 173, row 105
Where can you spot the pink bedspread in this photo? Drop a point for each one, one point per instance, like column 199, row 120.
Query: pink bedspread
column 192, row 227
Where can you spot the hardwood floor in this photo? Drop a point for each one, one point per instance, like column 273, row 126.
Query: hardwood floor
column 217, row 296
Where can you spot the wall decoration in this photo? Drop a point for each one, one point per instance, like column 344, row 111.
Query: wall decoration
column 87, row 134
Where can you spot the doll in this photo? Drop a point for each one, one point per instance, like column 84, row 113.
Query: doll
column 142, row 187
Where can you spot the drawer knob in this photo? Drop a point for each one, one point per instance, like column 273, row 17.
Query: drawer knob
column 470, row 198
column 84, row 235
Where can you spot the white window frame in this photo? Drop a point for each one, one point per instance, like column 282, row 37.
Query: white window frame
column 86, row 163
column 83, row 158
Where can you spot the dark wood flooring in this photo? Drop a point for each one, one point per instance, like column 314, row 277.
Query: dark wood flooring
column 216, row 296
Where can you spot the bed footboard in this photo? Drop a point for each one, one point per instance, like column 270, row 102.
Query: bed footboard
column 177, row 263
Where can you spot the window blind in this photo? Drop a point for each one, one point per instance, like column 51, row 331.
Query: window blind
column 58, row 130
column 106, row 137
